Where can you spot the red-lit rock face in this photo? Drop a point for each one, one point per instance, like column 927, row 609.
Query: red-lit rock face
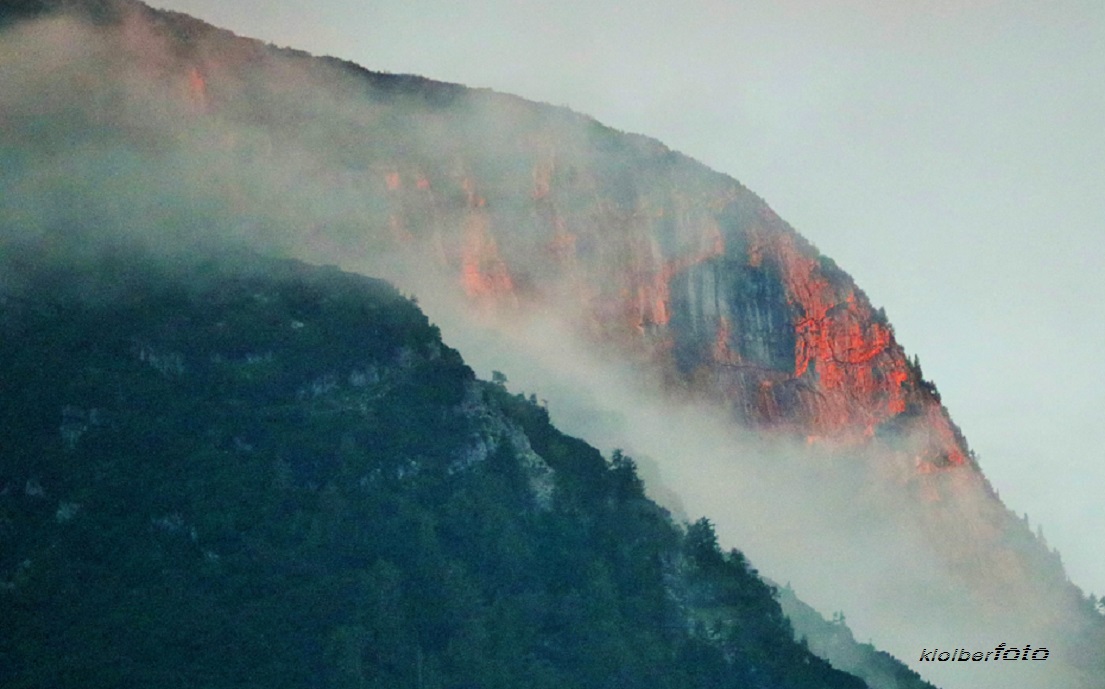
column 652, row 257
column 197, row 88
column 688, row 273
column 657, row 261
column 732, row 300
column 843, row 351
column 713, row 294
column 482, row 271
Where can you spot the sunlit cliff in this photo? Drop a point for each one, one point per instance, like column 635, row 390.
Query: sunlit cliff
column 514, row 209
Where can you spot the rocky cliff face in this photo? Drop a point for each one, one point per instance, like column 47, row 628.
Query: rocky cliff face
column 681, row 268
column 537, row 207
column 521, row 208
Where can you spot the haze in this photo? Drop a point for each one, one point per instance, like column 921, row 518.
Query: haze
column 191, row 176
column 946, row 154
column 182, row 182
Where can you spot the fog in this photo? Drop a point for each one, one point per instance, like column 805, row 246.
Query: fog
column 945, row 153
column 831, row 523
column 809, row 517
column 99, row 148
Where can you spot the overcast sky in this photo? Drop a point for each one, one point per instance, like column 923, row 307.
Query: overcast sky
column 946, row 153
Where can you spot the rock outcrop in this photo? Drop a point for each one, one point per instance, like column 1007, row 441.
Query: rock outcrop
column 177, row 127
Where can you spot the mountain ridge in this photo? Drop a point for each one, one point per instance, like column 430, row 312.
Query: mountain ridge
column 272, row 474
column 691, row 276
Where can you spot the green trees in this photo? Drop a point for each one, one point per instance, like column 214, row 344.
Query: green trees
column 321, row 494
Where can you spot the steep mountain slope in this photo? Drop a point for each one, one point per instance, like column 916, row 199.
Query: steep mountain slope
column 257, row 473
column 124, row 117
column 835, row 642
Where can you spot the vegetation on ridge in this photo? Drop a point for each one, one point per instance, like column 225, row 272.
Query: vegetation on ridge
column 278, row 476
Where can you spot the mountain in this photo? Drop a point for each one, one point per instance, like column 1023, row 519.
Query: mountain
column 574, row 254
column 238, row 471
column 834, row 641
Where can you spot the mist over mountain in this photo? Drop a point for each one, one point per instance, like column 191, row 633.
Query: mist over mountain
column 657, row 305
column 268, row 474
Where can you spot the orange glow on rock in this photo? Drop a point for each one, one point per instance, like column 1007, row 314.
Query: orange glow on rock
column 660, row 314
column 896, row 377
column 856, row 375
column 197, row 88
column 721, row 351
column 484, row 274
column 847, row 378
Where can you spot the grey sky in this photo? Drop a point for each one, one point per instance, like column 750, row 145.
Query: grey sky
column 945, row 153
